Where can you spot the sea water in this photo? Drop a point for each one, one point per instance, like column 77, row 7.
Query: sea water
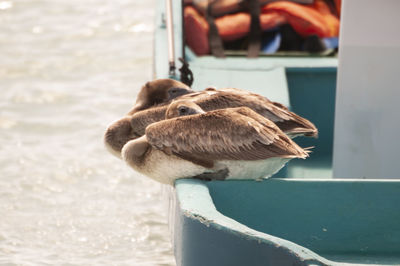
column 68, row 68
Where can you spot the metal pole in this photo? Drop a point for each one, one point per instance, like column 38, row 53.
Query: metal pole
column 170, row 33
column 183, row 29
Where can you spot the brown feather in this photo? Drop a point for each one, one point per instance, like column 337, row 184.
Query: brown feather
column 140, row 120
column 154, row 93
column 212, row 99
column 227, row 134
column 276, row 112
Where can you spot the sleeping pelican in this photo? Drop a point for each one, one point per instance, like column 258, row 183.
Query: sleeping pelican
column 212, row 99
column 232, row 143
column 209, row 99
column 159, row 91
column 152, row 103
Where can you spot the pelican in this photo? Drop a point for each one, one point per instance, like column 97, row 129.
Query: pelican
column 232, row 143
column 156, row 93
column 212, row 99
column 152, row 103
column 159, row 91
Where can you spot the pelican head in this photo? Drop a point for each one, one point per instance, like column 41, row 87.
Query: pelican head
column 118, row 134
column 182, row 108
column 157, row 92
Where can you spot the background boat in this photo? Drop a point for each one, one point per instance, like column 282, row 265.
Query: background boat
column 302, row 216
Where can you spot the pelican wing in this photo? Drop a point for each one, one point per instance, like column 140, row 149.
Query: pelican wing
column 287, row 121
column 228, row 134
column 212, row 99
column 140, row 120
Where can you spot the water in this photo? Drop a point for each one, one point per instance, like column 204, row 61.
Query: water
column 67, row 69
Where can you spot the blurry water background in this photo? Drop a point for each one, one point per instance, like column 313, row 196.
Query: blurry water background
column 68, row 68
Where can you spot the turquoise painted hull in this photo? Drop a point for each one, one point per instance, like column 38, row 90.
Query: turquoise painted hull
column 301, row 216
column 287, row 222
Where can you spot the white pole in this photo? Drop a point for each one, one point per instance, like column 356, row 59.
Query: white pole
column 170, row 33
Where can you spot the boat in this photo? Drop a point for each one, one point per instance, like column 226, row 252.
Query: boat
column 301, row 216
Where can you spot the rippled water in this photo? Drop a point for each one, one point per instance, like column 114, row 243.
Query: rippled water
column 67, row 69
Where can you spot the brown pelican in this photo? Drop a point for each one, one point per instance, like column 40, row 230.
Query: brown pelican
column 118, row 133
column 209, row 99
column 232, row 143
column 159, row 91
column 212, row 99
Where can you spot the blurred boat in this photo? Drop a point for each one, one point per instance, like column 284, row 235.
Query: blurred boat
column 301, row 216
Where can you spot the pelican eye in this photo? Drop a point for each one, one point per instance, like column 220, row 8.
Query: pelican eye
column 183, row 110
column 176, row 92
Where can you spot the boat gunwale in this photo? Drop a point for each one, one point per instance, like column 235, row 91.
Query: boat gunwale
column 195, row 202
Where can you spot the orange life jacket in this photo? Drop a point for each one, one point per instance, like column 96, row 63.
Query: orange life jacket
column 338, row 4
column 224, row 7
column 230, row 27
column 307, row 20
column 331, row 20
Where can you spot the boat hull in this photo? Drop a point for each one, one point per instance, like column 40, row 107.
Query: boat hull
column 287, row 222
